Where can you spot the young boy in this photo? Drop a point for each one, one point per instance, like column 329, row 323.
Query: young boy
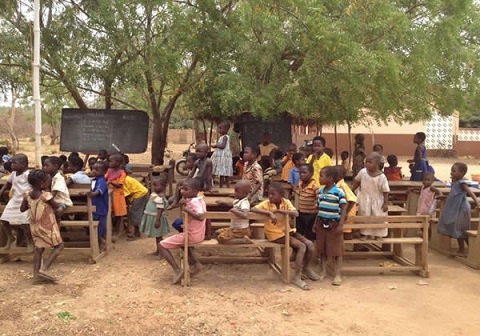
column 195, row 207
column 202, row 167
column 307, row 202
column 75, row 166
column 253, row 173
column 266, row 147
column 378, row 148
column 351, row 198
column 319, row 159
column 136, row 195
column 275, row 232
column 287, row 162
column 239, row 230
column 329, row 223
column 294, row 176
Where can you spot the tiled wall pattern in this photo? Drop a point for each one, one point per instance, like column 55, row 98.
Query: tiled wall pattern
column 469, row 135
column 439, row 132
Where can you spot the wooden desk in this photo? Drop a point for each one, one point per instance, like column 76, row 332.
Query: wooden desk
column 399, row 185
column 395, row 210
column 220, row 192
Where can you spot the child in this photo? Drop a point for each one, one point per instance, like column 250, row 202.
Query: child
column 455, row 219
column 287, row 162
column 154, row 220
column 358, row 154
column 115, row 179
column 329, row 223
column 253, row 173
column 91, row 161
column 99, row 193
column 419, row 164
column 427, row 201
column 43, row 225
column 318, row 159
column 58, row 188
column 373, row 196
column 344, row 156
column 379, row 149
column 222, row 156
column 266, row 147
column 275, row 232
column 136, row 195
column 294, row 175
column 239, row 230
column 307, row 202
column 12, row 216
column 277, row 160
column 393, row 172
column 195, row 207
column 202, row 169
column 351, row 198
column 7, row 167
column 75, row 165
column 102, row 155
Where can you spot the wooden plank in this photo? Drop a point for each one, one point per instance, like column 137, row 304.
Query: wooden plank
column 214, row 243
column 472, row 233
column 227, row 224
column 383, row 225
column 379, row 269
column 79, row 186
column 403, row 240
column 389, row 219
column 79, row 209
column 78, row 223
column 229, row 215
column 369, row 253
column 233, row 259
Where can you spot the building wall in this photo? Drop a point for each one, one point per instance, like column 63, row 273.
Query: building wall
column 181, row 136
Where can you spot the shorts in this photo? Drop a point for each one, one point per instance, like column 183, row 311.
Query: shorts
column 330, row 241
column 227, row 234
column 305, row 223
column 173, row 242
column 102, row 225
column 135, row 210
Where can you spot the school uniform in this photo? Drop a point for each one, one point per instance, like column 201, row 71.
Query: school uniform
column 329, row 240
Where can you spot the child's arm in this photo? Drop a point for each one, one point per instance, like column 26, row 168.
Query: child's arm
column 24, row 206
column 355, row 185
column 242, row 213
column 68, row 181
column 438, row 192
column 350, row 205
column 343, row 217
column 159, row 217
column 285, row 159
column 292, row 213
column 385, row 202
column 116, row 185
column 265, row 212
column 221, row 144
column 471, row 194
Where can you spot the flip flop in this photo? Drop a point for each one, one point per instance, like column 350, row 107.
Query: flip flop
column 301, row 284
column 177, row 277
column 311, row 275
column 47, row 277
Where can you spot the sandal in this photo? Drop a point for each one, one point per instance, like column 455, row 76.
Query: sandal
column 301, row 284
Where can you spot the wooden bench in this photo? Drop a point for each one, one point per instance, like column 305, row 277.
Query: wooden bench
column 473, row 257
column 262, row 244
column 397, row 226
column 143, row 173
column 169, row 170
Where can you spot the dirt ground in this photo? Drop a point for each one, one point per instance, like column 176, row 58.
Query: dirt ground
column 129, row 292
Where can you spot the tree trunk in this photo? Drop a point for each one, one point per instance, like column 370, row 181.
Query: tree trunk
column 211, row 134
column 53, row 137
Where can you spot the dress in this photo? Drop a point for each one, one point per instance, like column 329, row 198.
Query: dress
column 426, row 202
column 43, row 225
column 12, row 213
column 150, row 217
column 222, row 159
column 420, row 167
column 455, row 219
column 119, row 207
column 370, row 199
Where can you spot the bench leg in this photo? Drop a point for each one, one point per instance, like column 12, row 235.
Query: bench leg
column 286, row 264
column 94, row 246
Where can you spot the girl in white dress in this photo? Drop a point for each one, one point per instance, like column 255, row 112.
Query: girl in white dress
column 222, row 157
column 373, row 195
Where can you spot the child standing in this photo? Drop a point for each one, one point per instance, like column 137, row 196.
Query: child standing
column 12, row 216
column 136, row 195
column 358, row 154
column 43, row 225
column 351, row 208
column 195, row 207
column 307, row 202
column 329, row 223
column 154, row 220
column 115, row 177
column 344, row 156
column 419, row 162
column 253, row 173
column 294, row 176
column 239, row 230
column 393, row 172
column 287, row 162
column 58, row 188
column 319, row 159
column 427, row 201
column 275, row 232
column 373, row 196
column 222, row 156
column 378, row 148
column 455, row 219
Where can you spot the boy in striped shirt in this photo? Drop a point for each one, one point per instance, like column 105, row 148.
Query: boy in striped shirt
column 329, row 223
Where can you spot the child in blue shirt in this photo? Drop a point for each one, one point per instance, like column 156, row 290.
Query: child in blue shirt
column 294, row 175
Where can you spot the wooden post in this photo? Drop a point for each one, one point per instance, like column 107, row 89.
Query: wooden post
column 286, row 252
column 186, row 270
column 109, row 222
column 94, row 248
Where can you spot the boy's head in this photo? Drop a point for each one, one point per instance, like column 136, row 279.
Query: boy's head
column 344, row 155
column 359, row 139
column 126, row 159
column 75, row 164
column 328, row 175
column 63, row 158
column 42, row 159
column 19, row 162
column 201, row 150
column 102, row 154
column 419, row 138
column 372, row 161
column 52, row 165
column 91, row 162
column 306, row 172
column 428, row 179
column 318, row 145
column 115, row 160
column 341, row 172
column 242, row 189
column 99, row 168
column 191, row 187
column 298, row 159
column 292, row 149
column 277, row 154
column 73, row 154
column 275, row 192
column 266, row 138
column 378, row 148
column 251, row 153
column 328, row 151
column 392, row 160
column 3, row 151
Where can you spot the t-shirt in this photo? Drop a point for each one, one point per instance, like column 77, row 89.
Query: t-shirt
column 307, row 200
column 294, row 176
column 254, row 174
column 101, row 201
column 329, row 202
column 322, row 161
column 287, row 168
column 393, row 173
column 133, row 189
column 240, row 223
column 80, row 177
column 349, row 196
column 59, row 185
column 196, row 228
column 266, row 149
column 275, row 231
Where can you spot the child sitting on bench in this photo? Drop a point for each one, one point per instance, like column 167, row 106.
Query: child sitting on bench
column 275, row 232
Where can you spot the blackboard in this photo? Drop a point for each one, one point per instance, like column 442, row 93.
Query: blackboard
column 252, row 129
column 89, row 130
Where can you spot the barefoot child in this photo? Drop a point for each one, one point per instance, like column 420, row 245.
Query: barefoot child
column 12, row 216
column 239, row 230
column 319, row 158
column 253, row 173
column 419, row 163
column 373, row 196
column 43, row 225
column 222, row 156
column 275, row 232
column 329, row 223
column 115, row 177
column 427, row 201
column 307, row 202
column 455, row 219
column 195, row 207
column 378, row 148
column 351, row 207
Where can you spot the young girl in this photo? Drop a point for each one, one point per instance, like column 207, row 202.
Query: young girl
column 12, row 215
column 427, row 200
column 358, row 154
column 43, row 225
column 419, row 164
column 59, row 187
column 373, row 196
column 393, row 172
column 222, row 156
column 154, row 220
column 455, row 218
column 115, row 179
